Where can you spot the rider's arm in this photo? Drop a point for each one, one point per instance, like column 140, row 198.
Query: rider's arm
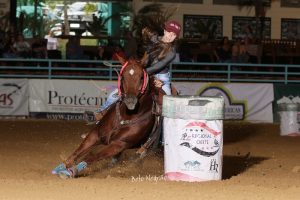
column 160, row 65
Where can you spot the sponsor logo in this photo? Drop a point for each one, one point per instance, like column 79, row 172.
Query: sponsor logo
column 192, row 166
column 6, row 97
column 54, row 98
column 233, row 109
column 77, row 102
column 214, row 166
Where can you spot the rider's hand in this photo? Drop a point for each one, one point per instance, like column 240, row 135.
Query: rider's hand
column 158, row 83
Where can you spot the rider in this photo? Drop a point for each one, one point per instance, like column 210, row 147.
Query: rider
column 161, row 52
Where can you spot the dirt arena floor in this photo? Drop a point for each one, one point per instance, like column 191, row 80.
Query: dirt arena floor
column 258, row 164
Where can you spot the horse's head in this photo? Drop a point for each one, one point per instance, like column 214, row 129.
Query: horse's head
column 132, row 81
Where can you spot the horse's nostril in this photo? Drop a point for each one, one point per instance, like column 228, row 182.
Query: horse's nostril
column 130, row 102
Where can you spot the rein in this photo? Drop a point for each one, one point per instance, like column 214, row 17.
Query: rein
column 145, row 82
column 122, row 122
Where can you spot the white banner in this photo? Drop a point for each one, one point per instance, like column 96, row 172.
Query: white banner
column 243, row 101
column 251, row 102
column 68, row 96
column 14, row 97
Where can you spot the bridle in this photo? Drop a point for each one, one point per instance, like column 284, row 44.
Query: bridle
column 145, row 80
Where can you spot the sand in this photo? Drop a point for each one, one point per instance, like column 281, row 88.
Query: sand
column 258, row 164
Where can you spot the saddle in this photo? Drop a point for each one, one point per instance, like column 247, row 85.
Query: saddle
column 154, row 137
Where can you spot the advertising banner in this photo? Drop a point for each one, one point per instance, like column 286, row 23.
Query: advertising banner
column 243, row 101
column 67, row 99
column 13, row 97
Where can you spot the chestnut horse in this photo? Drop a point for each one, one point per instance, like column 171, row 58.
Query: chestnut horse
column 126, row 124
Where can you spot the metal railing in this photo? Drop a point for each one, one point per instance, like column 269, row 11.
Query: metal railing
column 180, row 71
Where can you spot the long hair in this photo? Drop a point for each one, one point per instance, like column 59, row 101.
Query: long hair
column 156, row 50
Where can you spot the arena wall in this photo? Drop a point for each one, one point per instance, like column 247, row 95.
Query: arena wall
column 68, row 99
column 275, row 12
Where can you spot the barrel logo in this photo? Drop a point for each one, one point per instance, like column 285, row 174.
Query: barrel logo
column 201, row 138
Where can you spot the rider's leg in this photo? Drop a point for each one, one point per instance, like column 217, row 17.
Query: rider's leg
column 112, row 98
column 165, row 78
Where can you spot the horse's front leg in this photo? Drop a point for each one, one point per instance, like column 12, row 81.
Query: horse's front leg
column 110, row 150
column 90, row 141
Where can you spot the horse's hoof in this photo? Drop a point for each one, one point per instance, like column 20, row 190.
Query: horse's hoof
column 59, row 168
column 66, row 174
column 138, row 156
column 113, row 162
column 81, row 166
column 142, row 152
column 73, row 171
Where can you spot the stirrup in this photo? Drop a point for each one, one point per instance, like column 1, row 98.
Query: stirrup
column 89, row 117
column 98, row 116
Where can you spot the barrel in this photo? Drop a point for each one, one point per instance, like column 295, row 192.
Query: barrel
column 193, row 138
column 289, row 119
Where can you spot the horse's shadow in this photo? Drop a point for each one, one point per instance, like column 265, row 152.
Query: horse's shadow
column 129, row 165
column 235, row 132
column 153, row 165
column 239, row 131
column 236, row 165
column 233, row 165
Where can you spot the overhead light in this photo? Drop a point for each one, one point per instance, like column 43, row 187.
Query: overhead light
column 74, row 25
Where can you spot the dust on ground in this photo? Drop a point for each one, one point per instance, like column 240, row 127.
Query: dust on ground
column 258, row 163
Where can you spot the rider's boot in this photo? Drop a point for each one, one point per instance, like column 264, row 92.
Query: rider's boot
column 93, row 117
column 99, row 115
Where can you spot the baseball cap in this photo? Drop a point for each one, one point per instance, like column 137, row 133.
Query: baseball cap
column 173, row 26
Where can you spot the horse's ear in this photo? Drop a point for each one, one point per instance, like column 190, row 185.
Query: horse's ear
column 144, row 60
column 121, row 59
